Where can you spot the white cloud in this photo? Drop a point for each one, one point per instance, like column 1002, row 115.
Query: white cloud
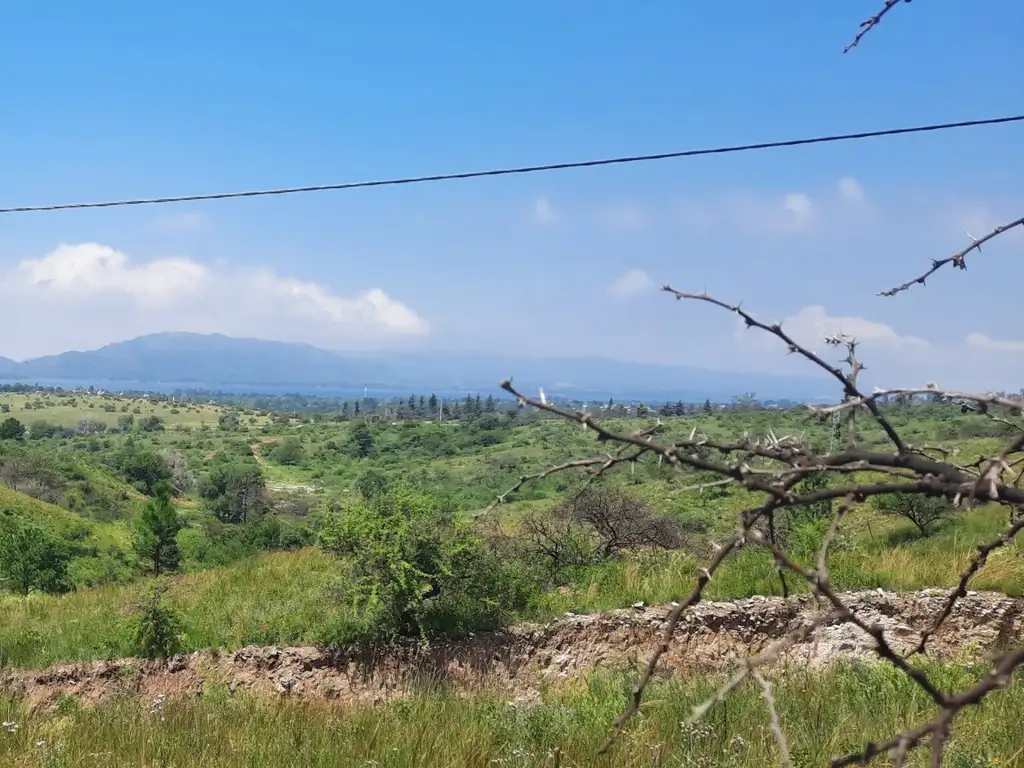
column 624, row 217
column 90, row 294
column 811, row 325
column 544, row 212
column 73, row 271
column 634, row 283
column 850, row 189
column 786, row 214
column 987, row 342
column 800, row 205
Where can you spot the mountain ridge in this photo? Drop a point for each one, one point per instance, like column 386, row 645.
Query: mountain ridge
column 211, row 360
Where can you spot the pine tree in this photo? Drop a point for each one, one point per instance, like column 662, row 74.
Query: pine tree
column 707, row 406
column 490, row 405
column 433, row 404
column 155, row 532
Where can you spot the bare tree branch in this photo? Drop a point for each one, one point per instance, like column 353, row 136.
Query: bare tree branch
column 958, row 259
column 870, row 23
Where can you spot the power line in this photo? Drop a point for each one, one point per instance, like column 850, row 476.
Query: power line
column 522, row 169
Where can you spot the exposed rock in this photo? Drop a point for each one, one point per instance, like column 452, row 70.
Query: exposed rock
column 711, row 636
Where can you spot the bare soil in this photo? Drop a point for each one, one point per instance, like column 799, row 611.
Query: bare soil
column 521, row 661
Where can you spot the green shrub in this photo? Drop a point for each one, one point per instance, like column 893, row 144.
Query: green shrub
column 159, row 627
column 412, row 569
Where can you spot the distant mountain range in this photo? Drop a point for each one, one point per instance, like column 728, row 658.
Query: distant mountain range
column 165, row 361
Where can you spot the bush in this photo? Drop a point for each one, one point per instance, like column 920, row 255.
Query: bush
column 159, row 626
column 11, row 429
column 598, row 525
column 412, row 569
column 288, row 452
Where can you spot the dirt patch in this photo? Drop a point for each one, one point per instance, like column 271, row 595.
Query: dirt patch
column 519, row 661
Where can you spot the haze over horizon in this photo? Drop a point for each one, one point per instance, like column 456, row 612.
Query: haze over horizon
column 549, row 265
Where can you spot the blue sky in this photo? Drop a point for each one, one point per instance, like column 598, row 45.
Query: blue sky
column 122, row 99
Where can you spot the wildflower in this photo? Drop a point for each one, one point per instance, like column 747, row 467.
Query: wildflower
column 10, row 726
column 39, row 743
column 158, row 705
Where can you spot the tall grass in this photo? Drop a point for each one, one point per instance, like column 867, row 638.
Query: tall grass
column 823, row 715
column 283, row 598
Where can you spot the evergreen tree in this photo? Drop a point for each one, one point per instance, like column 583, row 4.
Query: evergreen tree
column 155, row 532
column 707, row 407
column 490, row 405
column 360, row 440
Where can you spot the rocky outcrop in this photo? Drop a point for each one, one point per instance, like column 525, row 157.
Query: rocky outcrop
column 522, row 660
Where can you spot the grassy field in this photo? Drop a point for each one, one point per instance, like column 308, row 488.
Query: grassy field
column 823, row 716
column 68, row 410
column 285, row 598
column 272, row 578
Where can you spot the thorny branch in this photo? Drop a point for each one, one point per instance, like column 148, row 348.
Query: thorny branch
column 775, row 467
column 782, row 464
column 958, row 260
column 870, row 23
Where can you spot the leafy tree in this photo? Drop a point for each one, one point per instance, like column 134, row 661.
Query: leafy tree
column 289, row 451
column 360, row 440
column 234, row 492
column 142, row 468
column 151, row 423
column 923, row 511
column 12, row 429
column 228, row 421
column 155, row 532
column 32, row 558
column 125, row 422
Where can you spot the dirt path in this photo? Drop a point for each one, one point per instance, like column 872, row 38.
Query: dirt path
column 519, row 661
column 276, row 486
